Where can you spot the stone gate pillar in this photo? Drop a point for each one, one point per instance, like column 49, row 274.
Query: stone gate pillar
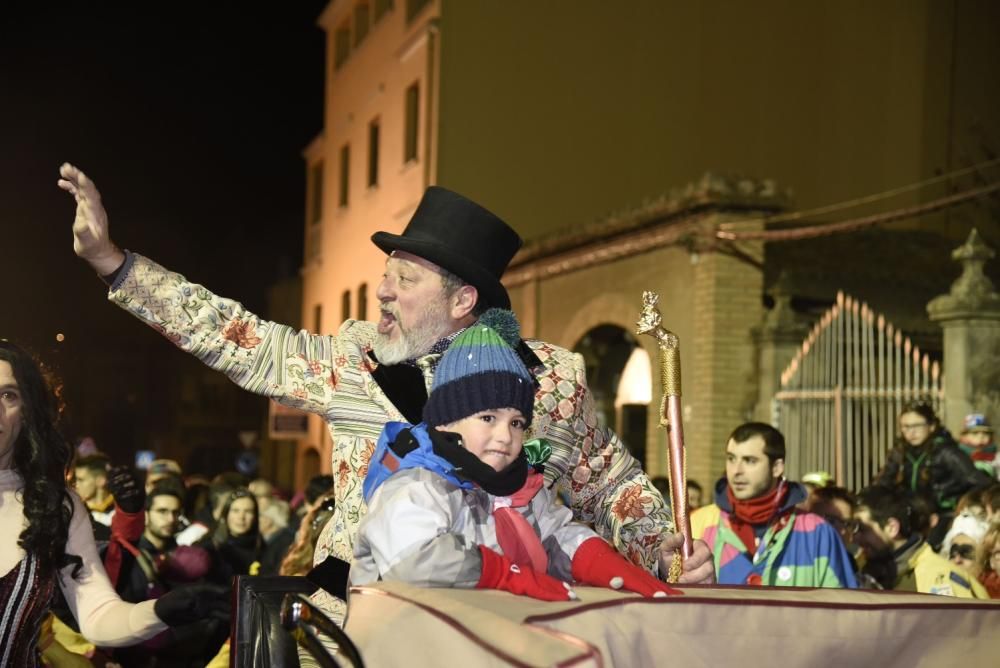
column 778, row 338
column 970, row 317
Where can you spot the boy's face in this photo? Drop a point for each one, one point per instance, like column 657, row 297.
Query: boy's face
column 495, row 436
column 977, row 439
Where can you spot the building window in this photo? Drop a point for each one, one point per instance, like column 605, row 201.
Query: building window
column 413, row 8
column 341, row 44
column 345, row 305
column 412, row 121
column 316, row 205
column 318, row 318
column 373, row 130
column 362, row 301
column 345, row 172
column 381, row 7
column 362, row 19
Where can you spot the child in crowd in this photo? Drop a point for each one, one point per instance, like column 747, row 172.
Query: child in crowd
column 961, row 543
column 977, row 442
column 457, row 502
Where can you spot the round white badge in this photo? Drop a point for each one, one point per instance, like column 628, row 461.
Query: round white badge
column 784, row 573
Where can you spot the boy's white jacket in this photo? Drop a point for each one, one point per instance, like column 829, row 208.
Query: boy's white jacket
column 424, row 530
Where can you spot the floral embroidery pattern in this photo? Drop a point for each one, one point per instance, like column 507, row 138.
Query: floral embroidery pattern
column 241, row 333
column 629, row 504
column 343, row 471
column 366, row 456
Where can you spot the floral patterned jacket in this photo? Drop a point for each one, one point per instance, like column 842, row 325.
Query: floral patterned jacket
column 332, row 377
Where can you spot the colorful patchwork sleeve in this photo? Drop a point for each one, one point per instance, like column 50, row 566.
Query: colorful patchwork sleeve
column 607, row 485
column 295, row 368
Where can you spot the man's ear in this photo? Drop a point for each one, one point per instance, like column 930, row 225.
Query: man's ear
column 463, row 300
column 778, row 468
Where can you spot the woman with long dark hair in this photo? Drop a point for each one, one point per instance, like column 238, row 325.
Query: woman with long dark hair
column 54, row 543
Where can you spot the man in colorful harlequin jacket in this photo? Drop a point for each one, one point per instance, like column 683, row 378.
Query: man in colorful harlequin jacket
column 755, row 533
column 440, row 275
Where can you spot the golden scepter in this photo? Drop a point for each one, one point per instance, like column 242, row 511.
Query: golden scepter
column 670, row 417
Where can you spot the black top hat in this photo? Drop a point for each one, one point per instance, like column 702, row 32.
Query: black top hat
column 457, row 234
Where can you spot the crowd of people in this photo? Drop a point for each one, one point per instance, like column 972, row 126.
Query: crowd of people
column 928, row 522
column 160, row 531
column 429, row 411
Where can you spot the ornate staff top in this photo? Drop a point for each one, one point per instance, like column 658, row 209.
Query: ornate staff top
column 670, row 346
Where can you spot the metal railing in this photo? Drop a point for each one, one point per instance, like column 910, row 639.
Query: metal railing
column 841, row 394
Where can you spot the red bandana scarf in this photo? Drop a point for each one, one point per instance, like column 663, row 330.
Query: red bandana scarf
column 517, row 538
column 754, row 512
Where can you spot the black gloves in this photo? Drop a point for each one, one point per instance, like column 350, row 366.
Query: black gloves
column 129, row 494
column 193, row 603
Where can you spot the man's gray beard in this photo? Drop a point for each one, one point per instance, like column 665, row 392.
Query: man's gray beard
column 411, row 344
column 391, row 352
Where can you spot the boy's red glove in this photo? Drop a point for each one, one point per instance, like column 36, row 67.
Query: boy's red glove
column 499, row 572
column 597, row 564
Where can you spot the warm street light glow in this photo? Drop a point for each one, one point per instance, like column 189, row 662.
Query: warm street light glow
column 636, row 384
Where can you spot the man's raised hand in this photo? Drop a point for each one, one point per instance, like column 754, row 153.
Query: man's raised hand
column 90, row 227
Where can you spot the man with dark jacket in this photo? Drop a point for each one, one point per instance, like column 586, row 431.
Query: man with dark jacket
column 154, row 565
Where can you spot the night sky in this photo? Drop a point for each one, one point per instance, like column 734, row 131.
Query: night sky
column 190, row 117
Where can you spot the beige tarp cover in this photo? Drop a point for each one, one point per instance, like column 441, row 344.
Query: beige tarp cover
column 395, row 624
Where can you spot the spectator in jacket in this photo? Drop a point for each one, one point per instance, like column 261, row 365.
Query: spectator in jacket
column 927, row 459
column 756, row 533
column 886, row 535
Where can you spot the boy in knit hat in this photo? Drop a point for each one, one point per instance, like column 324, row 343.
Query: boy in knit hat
column 459, row 501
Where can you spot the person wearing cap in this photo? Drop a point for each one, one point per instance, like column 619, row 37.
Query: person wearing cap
column 977, row 441
column 441, row 273
column 458, row 501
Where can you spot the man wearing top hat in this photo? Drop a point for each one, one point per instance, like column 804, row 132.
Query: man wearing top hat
column 440, row 274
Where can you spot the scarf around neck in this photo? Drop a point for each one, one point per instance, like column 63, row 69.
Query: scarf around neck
column 516, row 536
column 755, row 512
